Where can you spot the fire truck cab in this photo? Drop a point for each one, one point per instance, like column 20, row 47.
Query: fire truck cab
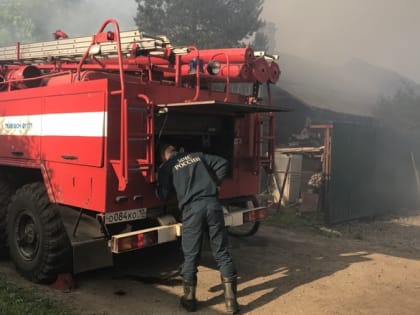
column 81, row 123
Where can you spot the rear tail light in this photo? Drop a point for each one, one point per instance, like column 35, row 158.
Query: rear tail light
column 138, row 241
column 144, row 238
column 255, row 215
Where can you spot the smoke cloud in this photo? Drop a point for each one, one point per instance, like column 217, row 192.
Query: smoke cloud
column 86, row 16
column 346, row 55
column 356, row 56
column 381, row 32
column 332, row 32
column 337, row 54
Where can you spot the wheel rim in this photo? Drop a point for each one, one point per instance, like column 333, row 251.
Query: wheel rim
column 27, row 235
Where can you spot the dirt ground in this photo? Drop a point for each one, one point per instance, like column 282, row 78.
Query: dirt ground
column 357, row 268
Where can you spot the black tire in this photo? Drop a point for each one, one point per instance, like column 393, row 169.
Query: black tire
column 38, row 243
column 247, row 229
column 5, row 194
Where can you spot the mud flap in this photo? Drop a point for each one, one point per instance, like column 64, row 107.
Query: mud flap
column 90, row 255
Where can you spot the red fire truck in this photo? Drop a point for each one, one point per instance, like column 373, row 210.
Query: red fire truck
column 81, row 121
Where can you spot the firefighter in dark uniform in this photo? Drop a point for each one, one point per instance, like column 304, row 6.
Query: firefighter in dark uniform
column 196, row 177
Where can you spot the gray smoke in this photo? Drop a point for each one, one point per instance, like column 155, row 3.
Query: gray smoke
column 381, row 32
column 359, row 57
column 86, row 16
column 345, row 55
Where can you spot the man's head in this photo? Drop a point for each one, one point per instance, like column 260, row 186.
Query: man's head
column 166, row 152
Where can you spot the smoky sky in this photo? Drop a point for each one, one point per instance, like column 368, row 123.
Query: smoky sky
column 331, row 32
column 87, row 16
column 381, row 32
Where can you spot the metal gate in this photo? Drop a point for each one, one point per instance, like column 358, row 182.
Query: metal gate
column 362, row 180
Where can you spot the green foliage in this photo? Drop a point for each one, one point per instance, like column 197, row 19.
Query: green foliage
column 265, row 38
column 203, row 23
column 17, row 301
column 12, row 22
column 260, row 41
column 402, row 111
column 27, row 21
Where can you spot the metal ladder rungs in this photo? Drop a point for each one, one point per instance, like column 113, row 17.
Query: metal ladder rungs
column 76, row 47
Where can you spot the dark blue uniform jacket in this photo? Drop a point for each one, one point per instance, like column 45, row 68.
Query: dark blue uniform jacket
column 193, row 176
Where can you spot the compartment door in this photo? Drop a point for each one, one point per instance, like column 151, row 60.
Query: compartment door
column 74, row 128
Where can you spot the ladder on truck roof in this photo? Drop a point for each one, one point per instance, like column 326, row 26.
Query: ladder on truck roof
column 71, row 48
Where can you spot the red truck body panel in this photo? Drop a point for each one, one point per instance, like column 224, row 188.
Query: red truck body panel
column 89, row 125
column 72, row 130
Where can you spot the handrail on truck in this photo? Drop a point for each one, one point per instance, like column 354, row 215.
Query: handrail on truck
column 121, row 165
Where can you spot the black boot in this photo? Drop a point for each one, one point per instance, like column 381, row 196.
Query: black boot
column 188, row 300
column 230, row 289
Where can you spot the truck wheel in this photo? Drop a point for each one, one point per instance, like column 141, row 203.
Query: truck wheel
column 5, row 193
column 246, row 229
column 38, row 243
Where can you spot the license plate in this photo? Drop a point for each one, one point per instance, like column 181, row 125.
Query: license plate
column 126, row 215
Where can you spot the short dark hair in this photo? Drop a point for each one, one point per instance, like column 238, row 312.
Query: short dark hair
column 165, row 147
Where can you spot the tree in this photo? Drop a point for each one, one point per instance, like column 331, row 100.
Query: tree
column 31, row 20
column 260, row 41
column 203, row 23
column 13, row 24
column 402, row 111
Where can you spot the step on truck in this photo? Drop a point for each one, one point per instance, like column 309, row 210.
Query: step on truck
column 81, row 121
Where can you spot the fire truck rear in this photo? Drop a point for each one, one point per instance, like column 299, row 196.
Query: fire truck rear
column 81, row 123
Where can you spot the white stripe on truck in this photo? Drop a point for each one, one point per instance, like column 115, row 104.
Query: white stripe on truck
column 85, row 124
